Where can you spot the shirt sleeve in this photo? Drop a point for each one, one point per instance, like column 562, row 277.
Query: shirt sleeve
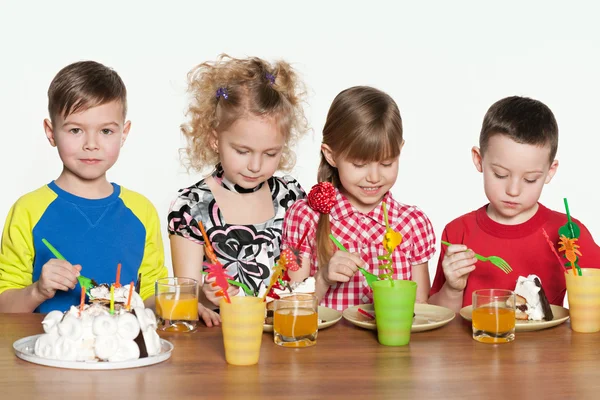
column 299, row 220
column 424, row 238
column 294, row 193
column 180, row 218
column 17, row 250
column 153, row 264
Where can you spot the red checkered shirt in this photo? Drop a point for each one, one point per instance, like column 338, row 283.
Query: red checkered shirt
column 363, row 234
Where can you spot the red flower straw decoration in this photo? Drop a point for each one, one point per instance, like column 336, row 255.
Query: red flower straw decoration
column 216, row 271
column 278, row 271
column 551, row 245
column 322, row 197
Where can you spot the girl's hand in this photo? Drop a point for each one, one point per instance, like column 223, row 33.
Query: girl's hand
column 57, row 275
column 210, row 292
column 209, row 317
column 342, row 267
column 457, row 264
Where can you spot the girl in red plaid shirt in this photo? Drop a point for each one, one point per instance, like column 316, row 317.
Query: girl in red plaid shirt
column 362, row 140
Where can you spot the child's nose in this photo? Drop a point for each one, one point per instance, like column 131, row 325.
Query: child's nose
column 373, row 174
column 255, row 163
column 514, row 187
column 90, row 142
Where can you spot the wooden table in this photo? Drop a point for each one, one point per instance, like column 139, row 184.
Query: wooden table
column 347, row 362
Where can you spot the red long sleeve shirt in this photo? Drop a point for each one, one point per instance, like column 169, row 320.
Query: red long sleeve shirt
column 523, row 246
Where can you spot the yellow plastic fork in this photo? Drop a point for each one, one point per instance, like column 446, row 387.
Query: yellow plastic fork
column 495, row 260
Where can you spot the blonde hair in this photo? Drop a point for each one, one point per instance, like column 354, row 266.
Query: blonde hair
column 252, row 86
column 363, row 124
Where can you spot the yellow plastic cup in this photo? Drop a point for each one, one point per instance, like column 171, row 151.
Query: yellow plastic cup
column 242, row 324
column 584, row 300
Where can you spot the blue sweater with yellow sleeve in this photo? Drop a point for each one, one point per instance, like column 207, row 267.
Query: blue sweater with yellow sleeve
column 97, row 234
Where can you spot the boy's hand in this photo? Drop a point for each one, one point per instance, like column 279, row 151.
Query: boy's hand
column 342, row 267
column 457, row 264
column 211, row 292
column 209, row 317
column 57, row 275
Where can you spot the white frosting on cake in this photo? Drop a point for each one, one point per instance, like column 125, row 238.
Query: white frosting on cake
column 527, row 288
column 94, row 334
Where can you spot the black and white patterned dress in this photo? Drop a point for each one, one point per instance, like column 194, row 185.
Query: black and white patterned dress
column 248, row 252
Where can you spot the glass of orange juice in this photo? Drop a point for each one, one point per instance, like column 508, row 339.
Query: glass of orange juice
column 177, row 304
column 295, row 321
column 493, row 315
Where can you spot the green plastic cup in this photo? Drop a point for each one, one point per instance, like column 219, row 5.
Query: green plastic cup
column 394, row 309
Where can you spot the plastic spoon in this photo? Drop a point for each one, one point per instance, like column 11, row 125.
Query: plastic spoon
column 368, row 276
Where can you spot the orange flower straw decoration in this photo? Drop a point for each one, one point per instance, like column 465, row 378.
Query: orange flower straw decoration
column 278, row 270
column 570, row 248
column 210, row 253
column 391, row 240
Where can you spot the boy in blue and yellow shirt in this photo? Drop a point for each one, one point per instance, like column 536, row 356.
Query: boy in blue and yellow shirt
column 95, row 224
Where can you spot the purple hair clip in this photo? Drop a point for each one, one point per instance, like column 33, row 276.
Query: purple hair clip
column 270, row 78
column 222, row 92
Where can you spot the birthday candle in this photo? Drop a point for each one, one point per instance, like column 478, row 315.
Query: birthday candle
column 117, row 284
column 129, row 297
column 82, row 301
column 112, row 299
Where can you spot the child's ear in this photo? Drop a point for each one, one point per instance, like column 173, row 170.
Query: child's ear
column 477, row 158
column 328, row 154
column 214, row 141
column 551, row 171
column 126, row 129
column 49, row 132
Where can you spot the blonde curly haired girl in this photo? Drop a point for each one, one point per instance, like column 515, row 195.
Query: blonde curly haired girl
column 244, row 117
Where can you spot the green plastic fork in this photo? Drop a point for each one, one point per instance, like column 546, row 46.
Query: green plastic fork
column 497, row 261
column 87, row 283
column 368, row 276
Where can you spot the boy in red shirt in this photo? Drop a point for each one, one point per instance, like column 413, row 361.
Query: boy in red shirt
column 517, row 146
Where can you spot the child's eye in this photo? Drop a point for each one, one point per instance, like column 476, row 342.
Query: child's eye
column 386, row 164
column 271, row 154
column 241, row 151
column 531, row 180
column 358, row 165
column 106, row 131
column 75, row 131
column 500, row 176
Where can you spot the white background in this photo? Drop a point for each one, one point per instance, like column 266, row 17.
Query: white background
column 443, row 62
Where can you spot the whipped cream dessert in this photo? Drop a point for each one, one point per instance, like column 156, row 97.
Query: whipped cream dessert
column 531, row 302
column 101, row 294
column 95, row 335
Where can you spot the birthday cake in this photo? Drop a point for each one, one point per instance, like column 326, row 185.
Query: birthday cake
column 531, row 302
column 92, row 333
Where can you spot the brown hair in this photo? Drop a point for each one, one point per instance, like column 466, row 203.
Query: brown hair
column 253, row 86
column 523, row 120
column 83, row 85
column 363, row 124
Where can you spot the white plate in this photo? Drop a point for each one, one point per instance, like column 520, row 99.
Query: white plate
column 328, row 315
column 561, row 314
column 24, row 350
column 427, row 317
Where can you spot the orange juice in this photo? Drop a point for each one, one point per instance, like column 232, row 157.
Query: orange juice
column 491, row 324
column 294, row 323
column 184, row 308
